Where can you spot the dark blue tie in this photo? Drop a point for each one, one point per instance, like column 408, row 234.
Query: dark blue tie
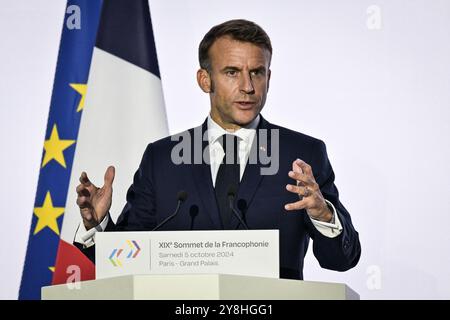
column 227, row 177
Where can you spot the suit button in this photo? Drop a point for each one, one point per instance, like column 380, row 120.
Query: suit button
column 346, row 244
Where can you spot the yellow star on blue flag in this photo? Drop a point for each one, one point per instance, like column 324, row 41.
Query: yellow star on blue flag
column 54, row 148
column 81, row 89
column 47, row 215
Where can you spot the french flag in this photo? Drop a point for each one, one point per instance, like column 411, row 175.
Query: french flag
column 120, row 110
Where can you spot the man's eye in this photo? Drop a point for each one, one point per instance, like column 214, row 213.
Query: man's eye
column 256, row 73
column 231, row 73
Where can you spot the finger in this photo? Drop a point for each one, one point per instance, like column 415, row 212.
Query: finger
column 83, row 202
column 109, row 176
column 304, row 178
column 296, row 167
column 304, row 166
column 303, row 191
column 84, row 179
column 83, row 191
column 299, row 205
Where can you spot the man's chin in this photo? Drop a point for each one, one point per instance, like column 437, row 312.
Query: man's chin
column 244, row 118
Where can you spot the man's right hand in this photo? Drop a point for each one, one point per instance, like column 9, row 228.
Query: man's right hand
column 95, row 202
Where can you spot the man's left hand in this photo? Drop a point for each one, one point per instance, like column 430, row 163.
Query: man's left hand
column 308, row 190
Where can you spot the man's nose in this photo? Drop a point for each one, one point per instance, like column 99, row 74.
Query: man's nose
column 247, row 84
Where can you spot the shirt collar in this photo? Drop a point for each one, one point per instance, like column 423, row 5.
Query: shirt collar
column 245, row 133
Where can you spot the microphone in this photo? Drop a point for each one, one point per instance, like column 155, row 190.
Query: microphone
column 181, row 197
column 242, row 206
column 231, row 196
column 193, row 212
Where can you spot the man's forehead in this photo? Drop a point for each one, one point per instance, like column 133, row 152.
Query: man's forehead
column 226, row 50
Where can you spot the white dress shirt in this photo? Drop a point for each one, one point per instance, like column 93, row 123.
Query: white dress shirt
column 245, row 137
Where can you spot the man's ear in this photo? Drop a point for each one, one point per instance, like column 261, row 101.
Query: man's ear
column 268, row 79
column 204, row 80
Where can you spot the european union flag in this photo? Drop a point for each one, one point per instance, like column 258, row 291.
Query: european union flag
column 77, row 42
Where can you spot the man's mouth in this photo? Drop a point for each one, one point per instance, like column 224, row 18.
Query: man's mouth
column 245, row 104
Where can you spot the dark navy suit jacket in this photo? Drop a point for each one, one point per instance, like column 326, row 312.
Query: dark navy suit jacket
column 153, row 196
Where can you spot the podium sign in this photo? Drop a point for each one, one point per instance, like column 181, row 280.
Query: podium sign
column 237, row 252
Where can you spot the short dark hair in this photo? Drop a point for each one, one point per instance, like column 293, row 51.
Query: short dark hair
column 238, row 29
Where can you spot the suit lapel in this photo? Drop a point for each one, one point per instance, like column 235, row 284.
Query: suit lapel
column 203, row 181
column 252, row 175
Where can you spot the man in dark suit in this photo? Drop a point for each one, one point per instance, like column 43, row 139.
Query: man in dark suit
column 228, row 156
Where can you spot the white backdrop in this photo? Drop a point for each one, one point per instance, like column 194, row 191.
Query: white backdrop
column 372, row 79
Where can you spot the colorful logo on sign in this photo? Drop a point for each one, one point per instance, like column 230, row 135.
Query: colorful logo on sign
column 117, row 258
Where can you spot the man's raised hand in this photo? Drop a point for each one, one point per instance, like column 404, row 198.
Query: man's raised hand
column 95, row 202
column 306, row 187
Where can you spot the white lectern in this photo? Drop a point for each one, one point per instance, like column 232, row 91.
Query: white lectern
column 199, row 287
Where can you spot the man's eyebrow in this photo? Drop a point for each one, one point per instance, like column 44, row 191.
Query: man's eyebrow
column 260, row 68
column 231, row 68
